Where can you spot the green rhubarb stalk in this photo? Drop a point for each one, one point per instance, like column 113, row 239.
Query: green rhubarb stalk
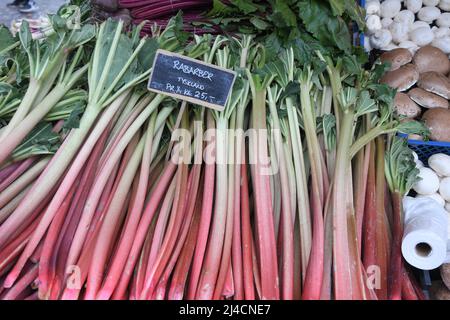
column 401, row 174
column 45, row 59
column 314, row 273
column 287, row 267
column 12, row 140
column 261, row 182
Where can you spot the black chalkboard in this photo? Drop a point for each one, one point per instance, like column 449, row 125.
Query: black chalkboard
column 191, row 80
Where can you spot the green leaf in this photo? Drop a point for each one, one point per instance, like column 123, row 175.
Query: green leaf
column 83, row 35
column 383, row 93
column 41, row 140
column 58, row 23
column 355, row 12
column 272, row 46
column 6, row 38
column 73, row 120
column 320, row 22
column 348, row 97
column 25, row 35
column 246, row 6
column 365, row 104
column 400, row 167
column 147, row 54
column 414, row 127
column 329, row 130
column 291, row 90
column 219, row 8
column 5, row 88
column 378, row 70
column 259, row 23
column 283, row 15
column 351, row 65
column 338, row 6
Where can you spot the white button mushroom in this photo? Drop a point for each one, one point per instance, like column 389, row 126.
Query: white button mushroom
column 373, row 7
column 399, row 31
column 447, row 207
column 440, row 32
column 390, row 46
column 420, row 24
column 413, row 5
column 442, row 43
column 421, row 36
column 373, row 24
column 428, row 14
column 444, row 188
column 406, row 17
column 419, row 164
column 411, row 46
column 386, row 22
column 380, row 39
column 429, row 182
column 435, row 196
column 443, row 20
column 444, row 5
column 390, row 8
column 431, row 3
column 440, row 163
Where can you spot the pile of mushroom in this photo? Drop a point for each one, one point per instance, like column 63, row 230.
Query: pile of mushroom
column 422, row 81
column 409, row 24
column 435, row 179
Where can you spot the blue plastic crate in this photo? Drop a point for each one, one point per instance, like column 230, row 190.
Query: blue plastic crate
column 362, row 3
column 425, row 149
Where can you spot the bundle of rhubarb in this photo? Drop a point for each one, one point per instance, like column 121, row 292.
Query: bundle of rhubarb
column 153, row 12
column 109, row 191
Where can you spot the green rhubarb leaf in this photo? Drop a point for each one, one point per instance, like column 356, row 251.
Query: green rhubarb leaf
column 351, row 65
column 355, row 12
column 58, row 23
column 6, row 38
column 348, row 97
column 414, row 127
column 291, row 90
column 73, row 120
column 5, row 88
column 272, row 46
column 378, row 70
column 365, row 104
column 282, row 15
column 246, row 6
column 123, row 52
column 82, row 35
column 259, row 23
column 329, row 130
column 383, row 93
column 147, row 55
column 338, row 6
column 41, row 140
column 277, row 68
column 25, row 35
column 400, row 167
column 73, row 100
column 219, row 8
column 320, row 22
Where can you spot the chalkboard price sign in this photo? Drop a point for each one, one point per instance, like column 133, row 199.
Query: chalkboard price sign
column 192, row 80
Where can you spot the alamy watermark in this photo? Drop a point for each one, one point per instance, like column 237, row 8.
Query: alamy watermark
column 263, row 152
